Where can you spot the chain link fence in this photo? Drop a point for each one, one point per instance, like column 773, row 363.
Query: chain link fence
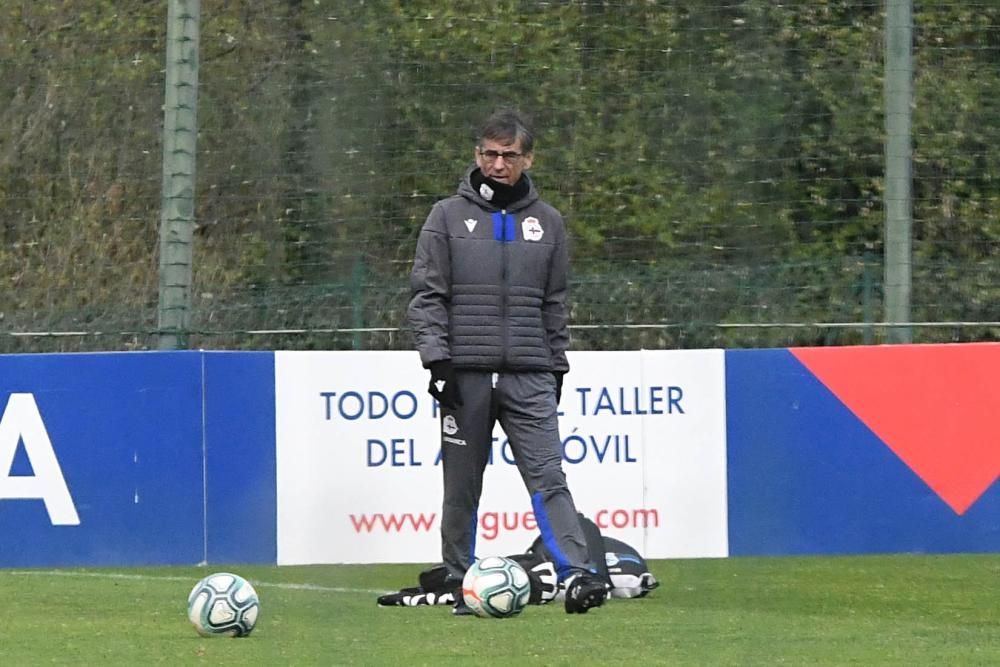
column 720, row 165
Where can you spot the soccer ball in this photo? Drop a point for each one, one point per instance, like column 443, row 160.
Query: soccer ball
column 223, row 604
column 496, row 587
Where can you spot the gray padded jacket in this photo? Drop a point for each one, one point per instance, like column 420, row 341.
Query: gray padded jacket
column 488, row 286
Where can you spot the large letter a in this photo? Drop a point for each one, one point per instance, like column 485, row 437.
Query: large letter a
column 21, row 422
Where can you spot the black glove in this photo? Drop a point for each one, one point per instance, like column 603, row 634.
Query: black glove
column 559, row 381
column 443, row 386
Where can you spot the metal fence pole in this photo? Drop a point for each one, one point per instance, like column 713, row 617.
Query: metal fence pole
column 898, row 167
column 180, row 132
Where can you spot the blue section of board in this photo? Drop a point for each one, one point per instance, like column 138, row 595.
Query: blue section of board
column 807, row 477
column 125, row 429
column 240, row 458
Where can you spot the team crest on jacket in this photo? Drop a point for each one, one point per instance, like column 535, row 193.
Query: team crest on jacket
column 470, row 224
column 532, row 229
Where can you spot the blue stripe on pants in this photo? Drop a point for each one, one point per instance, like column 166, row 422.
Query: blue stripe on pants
column 563, row 567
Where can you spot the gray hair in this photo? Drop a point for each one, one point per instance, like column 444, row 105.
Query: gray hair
column 507, row 125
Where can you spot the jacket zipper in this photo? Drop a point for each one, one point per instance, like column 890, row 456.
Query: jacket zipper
column 503, row 291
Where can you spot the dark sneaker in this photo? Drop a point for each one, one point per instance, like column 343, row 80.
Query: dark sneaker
column 583, row 593
column 462, row 609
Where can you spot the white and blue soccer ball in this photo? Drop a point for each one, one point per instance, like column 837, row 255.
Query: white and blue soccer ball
column 496, row 587
column 223, row 604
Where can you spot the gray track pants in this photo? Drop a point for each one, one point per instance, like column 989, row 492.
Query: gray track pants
column 525, row 405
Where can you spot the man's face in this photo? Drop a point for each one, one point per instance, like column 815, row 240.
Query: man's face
column 491, row 160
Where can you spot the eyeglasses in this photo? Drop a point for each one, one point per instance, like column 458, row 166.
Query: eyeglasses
column 508, row 156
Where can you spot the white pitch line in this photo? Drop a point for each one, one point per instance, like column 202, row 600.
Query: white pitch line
column 141, row 577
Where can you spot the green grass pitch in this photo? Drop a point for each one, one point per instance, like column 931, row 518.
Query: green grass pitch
column 867, row 610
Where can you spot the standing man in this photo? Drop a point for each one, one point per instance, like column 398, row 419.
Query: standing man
column 488, row 310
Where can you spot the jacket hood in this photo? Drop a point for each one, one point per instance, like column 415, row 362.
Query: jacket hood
column 466, row 190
